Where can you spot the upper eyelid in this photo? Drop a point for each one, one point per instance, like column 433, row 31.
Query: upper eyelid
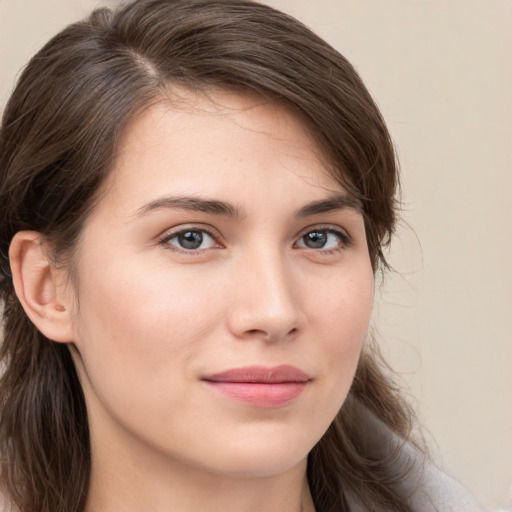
column 170, row 232
column 327, row 226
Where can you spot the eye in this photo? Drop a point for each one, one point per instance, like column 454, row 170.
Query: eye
column 323, row 239
column 191, row 240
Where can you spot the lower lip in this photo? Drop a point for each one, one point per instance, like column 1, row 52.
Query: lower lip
column 260, row 394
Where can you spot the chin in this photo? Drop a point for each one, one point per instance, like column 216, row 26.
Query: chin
column 263, row 465
column 260, row 455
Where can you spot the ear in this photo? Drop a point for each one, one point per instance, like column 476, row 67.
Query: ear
column 40, row 288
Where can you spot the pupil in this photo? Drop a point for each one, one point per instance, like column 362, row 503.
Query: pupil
column 190, row 239
column 315, row 239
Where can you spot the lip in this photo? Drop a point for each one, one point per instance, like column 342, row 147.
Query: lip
column 260, row 386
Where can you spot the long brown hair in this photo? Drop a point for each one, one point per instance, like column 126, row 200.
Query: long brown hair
column 58, row 139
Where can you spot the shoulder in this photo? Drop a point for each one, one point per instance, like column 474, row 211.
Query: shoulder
column 432, row 490
column 417, row 478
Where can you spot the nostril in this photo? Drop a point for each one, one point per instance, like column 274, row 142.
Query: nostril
column 270, row 334
column 257, row 332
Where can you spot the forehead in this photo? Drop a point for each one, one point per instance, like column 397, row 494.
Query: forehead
column 217, row 143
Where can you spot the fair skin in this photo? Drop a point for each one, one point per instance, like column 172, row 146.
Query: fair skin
column 220, row 242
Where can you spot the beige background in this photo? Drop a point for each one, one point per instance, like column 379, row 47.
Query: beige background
column 441, row 72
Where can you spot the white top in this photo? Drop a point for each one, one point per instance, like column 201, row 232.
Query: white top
column 435, row 491
column 438, row 492
column 428, row 488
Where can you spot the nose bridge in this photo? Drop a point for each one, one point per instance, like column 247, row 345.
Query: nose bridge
column 266, row 300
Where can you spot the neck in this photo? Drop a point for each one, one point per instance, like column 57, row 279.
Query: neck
column 130, row 480
column 145, row 490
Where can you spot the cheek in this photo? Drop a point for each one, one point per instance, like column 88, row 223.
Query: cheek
column 138, row 306
column 342, row 308
column 340, row 320
column 137, row 335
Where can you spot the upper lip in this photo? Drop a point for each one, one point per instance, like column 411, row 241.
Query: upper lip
column 260, row 374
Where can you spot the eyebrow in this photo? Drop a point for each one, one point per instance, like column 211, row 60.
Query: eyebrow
column 197, row 204
column 191, row 203
column 332, row 203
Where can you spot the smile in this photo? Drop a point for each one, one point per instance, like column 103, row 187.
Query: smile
column 260, row 386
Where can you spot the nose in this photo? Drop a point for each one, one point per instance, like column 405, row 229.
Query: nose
column 266, row 303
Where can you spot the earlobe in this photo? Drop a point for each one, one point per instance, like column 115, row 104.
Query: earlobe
column 37, row 286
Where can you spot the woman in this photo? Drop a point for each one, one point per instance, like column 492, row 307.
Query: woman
column 197, row 196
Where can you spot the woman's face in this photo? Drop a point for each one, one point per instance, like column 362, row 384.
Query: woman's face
column 225, row 289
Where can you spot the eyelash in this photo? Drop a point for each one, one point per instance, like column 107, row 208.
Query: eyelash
column 345, row 239
column 192, row 229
